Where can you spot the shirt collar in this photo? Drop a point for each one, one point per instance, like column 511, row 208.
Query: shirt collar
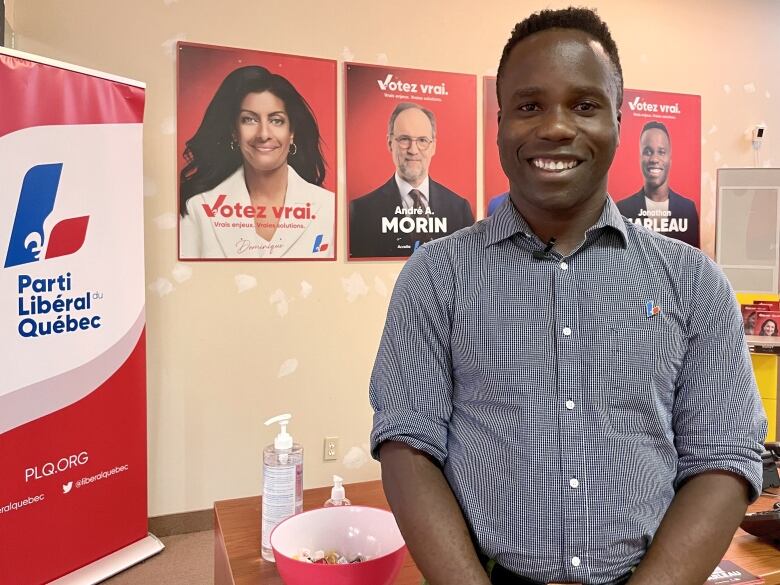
column 404, row 187
column 507, row 221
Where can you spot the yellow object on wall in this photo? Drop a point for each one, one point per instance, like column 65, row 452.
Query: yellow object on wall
column 765, row 368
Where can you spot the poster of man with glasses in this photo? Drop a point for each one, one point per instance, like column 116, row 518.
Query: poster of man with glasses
column 398, row 122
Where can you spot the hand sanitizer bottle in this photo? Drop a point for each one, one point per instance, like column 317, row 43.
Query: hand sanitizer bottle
column 337, row 494
column 282, row 482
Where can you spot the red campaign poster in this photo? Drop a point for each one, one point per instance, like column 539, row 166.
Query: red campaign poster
column 767, row 324
column 750, row 315
column 73, row 388
column 256, row 155
column 411, row 147
column 495, row 181
column 656, row 175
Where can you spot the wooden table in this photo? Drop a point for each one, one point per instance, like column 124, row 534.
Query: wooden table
column 754, row 554
column 237, row 559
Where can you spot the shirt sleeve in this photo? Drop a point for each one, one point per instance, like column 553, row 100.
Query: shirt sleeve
column 718, row 418
column 411, row 383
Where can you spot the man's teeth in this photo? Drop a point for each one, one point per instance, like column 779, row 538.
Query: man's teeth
column 552, row 165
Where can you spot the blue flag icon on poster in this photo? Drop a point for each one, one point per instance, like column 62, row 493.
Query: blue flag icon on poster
column 36, row 202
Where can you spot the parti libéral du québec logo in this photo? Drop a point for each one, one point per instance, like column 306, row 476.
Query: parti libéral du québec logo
column 320, row 244
column 36, row 202
column 48, row 305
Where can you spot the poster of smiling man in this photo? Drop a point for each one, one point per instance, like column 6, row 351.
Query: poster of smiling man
column 256, row 152
column 658, row 128
column 411, row 151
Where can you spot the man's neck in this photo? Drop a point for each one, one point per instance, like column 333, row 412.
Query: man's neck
column 567, row 227
column 415, row 183
column 659, row 193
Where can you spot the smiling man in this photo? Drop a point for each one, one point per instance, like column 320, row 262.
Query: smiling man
column 411, row 208
column 560, row 395
column 655, row 205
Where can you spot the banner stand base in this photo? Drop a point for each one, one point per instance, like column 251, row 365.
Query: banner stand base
column 114, row 563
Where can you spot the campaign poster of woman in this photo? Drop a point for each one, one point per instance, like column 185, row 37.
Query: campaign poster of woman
column 256, row 152
column 411, row 153
column 495, row 181
column 768, row 324
column 656, row 176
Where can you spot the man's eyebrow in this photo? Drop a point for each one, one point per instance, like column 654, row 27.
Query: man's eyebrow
column 581, row 90
column 531, row 90
column 589, row 90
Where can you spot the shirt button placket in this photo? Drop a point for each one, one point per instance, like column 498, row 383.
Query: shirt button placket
column 570, row 423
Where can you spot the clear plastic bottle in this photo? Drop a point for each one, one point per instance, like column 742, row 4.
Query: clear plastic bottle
column 282, row 482
column 337, row 494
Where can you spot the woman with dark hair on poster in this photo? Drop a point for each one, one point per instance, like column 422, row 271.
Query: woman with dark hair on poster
column 750, row 322
column 769, row 328
column 251, row 187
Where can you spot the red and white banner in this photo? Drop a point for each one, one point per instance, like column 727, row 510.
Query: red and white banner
column 73, row 389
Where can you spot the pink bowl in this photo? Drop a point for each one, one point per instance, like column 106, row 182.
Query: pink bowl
column 349, row 530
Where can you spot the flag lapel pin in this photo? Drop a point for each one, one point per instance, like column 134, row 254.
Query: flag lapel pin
column 652, row 309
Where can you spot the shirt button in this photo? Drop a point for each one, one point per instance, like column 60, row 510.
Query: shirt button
column 567, row 331
column 576, row 561
column 570, row 404
column 574, row 482
column 564, row 266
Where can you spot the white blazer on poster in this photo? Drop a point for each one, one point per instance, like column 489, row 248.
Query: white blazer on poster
column 211, row 230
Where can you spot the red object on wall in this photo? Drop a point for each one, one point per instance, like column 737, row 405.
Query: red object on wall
column 73, row 389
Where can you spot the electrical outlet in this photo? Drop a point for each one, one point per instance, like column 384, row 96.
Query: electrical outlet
column 330, row 450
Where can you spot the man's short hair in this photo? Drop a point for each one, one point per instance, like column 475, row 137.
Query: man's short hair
column 654, row 125
column 402, row 107
column 582, row 19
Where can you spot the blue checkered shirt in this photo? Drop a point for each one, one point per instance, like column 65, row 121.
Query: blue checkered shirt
column 567, row 399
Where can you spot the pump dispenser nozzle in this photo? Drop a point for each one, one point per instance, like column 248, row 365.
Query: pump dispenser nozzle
column 337, row 495
column 283, row 440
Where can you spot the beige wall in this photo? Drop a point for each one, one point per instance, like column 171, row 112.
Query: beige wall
column 215, row 352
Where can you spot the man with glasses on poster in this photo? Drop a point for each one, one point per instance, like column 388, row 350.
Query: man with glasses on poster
column 411, row 208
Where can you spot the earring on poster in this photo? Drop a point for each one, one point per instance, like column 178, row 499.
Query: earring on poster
column 233, row 143
column 293, row 149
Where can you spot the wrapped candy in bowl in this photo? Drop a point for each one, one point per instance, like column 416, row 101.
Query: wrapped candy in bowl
column 345, row 545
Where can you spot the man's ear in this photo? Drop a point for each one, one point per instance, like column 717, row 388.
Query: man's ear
column 389, row 143
column 619, row 120
column 498, row 116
